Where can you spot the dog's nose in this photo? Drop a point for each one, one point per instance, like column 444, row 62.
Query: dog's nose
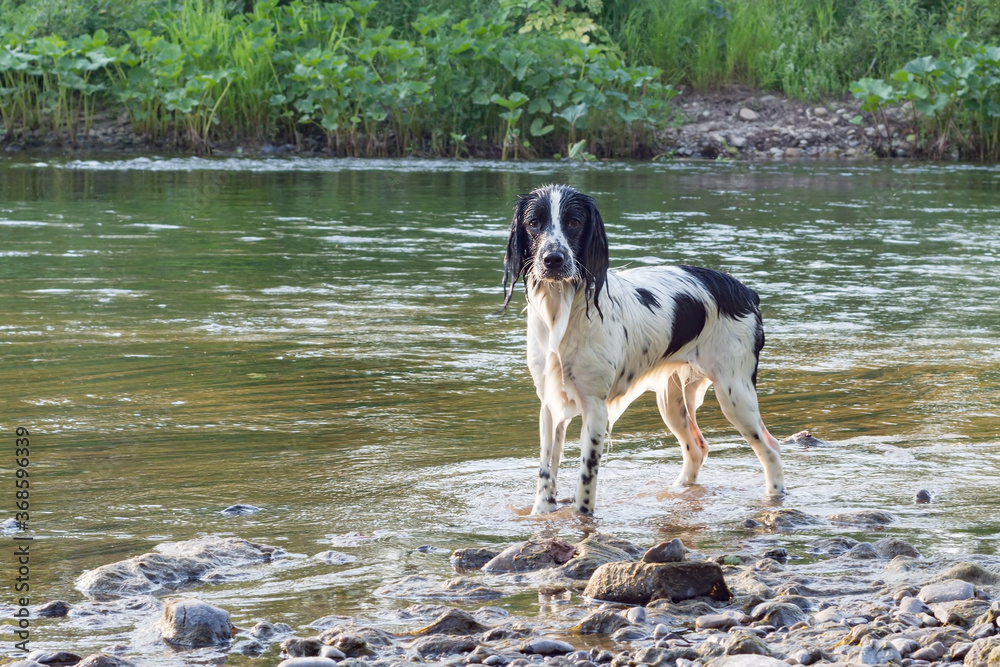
column 554, row 259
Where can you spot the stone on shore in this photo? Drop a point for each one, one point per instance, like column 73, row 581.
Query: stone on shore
column 546, row 646
column 984, row 653
column 191, row 622
column 778, row 614
column 641, row 583
column 600, row 622
column 947, row 591
column 314, row 661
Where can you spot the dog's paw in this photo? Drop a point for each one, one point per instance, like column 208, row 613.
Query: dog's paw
column 544, row 507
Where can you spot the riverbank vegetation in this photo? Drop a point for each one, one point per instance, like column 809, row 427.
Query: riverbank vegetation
column 509, row 78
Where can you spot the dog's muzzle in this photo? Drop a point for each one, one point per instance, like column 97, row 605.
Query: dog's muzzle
column 555, row 264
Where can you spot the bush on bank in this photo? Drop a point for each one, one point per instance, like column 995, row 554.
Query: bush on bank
column 202, row 72
column 953, row 99
column 452, row 77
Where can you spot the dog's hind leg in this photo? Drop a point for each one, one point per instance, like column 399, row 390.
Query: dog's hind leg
column 592, row 433
column 673, row 403
column 738, row 400
column 552, row 434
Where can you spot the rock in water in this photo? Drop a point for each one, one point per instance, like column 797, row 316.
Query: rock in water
column 665, row 552
column 531, row 555
column 178, row 564
column 786, row 519
column 864, row 518
column 803, row 439
column 240, row 510
column 922, row 497
column 641, row 583
column 453, row 622
column 890, row 547
column 472, row 558
column 594, row 551
column 308, row 662
column 191, row 622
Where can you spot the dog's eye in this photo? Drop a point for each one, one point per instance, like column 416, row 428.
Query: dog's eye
column 534, row 223
column 574, row 223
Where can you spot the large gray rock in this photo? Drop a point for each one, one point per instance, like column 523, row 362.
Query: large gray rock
column 947, row 591
column 641, row 583
column 191, row 622
column 176, row 565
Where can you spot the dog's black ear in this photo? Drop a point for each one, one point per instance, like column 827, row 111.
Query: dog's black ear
column 594, row 252
column 516, row 259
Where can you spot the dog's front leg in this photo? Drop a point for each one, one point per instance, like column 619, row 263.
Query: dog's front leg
column 552, row 434
column 592, row 432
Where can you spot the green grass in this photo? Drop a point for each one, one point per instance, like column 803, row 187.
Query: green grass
column 804, row 48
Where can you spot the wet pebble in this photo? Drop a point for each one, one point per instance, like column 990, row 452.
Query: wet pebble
column 332, row 652
column 307, row 662
column 547, row 647
column 636, row 615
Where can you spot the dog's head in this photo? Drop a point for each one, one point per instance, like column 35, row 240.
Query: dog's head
column 556, row 235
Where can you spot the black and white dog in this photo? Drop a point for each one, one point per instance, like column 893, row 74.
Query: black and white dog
column 599, row 338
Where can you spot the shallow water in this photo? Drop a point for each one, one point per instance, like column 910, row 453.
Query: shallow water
column 314, row 337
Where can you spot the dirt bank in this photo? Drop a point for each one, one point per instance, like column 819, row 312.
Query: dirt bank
column 733, row 123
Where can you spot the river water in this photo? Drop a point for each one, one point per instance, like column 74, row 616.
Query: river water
column 315, row 338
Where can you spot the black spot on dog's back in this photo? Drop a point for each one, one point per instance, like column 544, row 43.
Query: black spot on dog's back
column 689, row 320
column 734, row 299
column 647, row 298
